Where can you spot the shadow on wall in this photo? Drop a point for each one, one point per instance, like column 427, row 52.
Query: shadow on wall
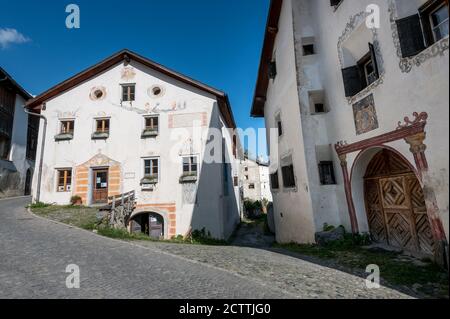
column 216, row 206
column 10, row 180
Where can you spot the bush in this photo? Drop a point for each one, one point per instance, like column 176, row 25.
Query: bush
column 204, row 237
column 75, row 200
column 327, row 227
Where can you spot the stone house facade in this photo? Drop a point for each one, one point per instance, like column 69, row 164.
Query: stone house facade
column 130, row 124
column 362, row 117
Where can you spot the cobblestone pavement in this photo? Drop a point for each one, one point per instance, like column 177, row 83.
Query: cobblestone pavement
column 34, row 254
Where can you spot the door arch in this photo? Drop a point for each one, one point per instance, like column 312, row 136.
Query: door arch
column 149, row 223
column 395, row 204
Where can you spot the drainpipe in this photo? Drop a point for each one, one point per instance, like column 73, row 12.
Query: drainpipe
column 38, row 191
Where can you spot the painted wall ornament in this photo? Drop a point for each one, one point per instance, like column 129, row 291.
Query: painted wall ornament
column 98, row 93
column 418, row 118
column 406, row 64
column 365, row 115
column 173, row 107
column 128, row 73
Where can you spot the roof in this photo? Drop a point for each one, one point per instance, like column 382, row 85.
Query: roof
column 5, row 77
column 222, row 98
column 262, row 83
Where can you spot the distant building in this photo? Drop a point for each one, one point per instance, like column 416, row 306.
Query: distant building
column 129, row 124
column 362, row 118
column 255, row 180
column 18, row 139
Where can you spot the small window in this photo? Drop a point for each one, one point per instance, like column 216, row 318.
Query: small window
column 272, row 70
column 288, row 176
column 152, row 123
column 67, row 127
column 319, row 108
column 367, row 69
column 64, row 180
column 274, row 180
column 151, row 168
column 279, row 125
column 251, row 186
column 435, row 21
column 326, row 171
column 246, row 169
column 190, row 166
column 246, row 177
column 128, row 92
column 308, row 49
column 236, row 181
column 102, row 126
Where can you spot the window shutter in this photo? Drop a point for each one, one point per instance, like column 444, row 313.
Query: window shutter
column 374, row 60
column 410, row 35
column 334, row 2
column 352, row 80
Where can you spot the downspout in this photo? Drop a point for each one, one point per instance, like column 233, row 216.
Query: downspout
column 38, row 191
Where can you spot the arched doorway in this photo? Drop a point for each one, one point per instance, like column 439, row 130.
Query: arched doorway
column 150, row 224
column 28, row 179
column 395, row 204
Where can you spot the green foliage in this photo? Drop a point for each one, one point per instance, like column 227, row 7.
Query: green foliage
column 203, row 237
column 39, row 205
column 327, row 227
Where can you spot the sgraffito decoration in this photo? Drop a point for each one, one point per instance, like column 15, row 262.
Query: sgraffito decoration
column 365, row 115
column 98, row 93
column 128, row 73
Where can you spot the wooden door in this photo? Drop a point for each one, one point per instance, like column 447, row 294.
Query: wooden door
column 100, row 186
column 395, row 204
column 156, row 227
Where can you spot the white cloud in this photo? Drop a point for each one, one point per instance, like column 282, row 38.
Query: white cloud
column 11, row 36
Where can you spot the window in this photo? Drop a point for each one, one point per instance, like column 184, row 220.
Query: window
column 274, row 180
column 272, row 70
column 102, row 126
column 317, row 102
column 251, row 186
column 128, row 92
column 279, row 125
column 246, row 177
column 319, row 108
column 308, row 49
column 32, row 137
column 152, row 123
column 67, row 127
column 288, row 176
column 326, row 171
column 151, row 167
column 419, row 31
column 335, row 3
column 236, row 181
column 246, row 169
column 190, row 165
column 365, row 72
column 64, row 180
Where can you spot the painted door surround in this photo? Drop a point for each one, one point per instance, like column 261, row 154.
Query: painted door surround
column 413, row 132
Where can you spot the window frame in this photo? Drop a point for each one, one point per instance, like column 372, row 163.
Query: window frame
column 432, row 26
column 272, row 178
column 322, row 175
column 287, row 180
column 103, row 120
column 158, row 166
column 190, row 172
column 61, row 126
column 67, row 187
column 152, row 126
column 130, row 96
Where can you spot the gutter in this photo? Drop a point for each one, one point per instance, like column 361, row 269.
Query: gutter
column 38, row 191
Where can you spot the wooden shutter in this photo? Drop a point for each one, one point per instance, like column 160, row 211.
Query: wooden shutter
column 352, row 80
column 410, row 35
column 374, row 60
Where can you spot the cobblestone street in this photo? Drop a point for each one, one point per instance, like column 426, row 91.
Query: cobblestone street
column 34, row 254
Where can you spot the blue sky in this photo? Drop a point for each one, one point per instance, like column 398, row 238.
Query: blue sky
column 217, row 42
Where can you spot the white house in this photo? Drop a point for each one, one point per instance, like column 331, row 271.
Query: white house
column 362, row 117
column 18, row 134
column 130, row 124
column 255, row 180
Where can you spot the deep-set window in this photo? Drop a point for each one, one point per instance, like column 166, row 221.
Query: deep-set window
column 326, row 172
column 67, row 127
column 190, row 166
column 64, row 180
column 152, row 123
column 251, row 186
column 279, row 125
column 274, row 182
column 246, row 169
column 128, row 92
column 319, row 108
column 365, row 72
column 272, row 70
column 308, row 49
column 335, row 3
column 288, row 176
column 151, row 167
column 421, row 30
column 102, row 126
column 235, row 181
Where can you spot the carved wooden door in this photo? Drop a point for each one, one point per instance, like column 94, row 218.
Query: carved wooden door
column 100, row 189
column 395, row 204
